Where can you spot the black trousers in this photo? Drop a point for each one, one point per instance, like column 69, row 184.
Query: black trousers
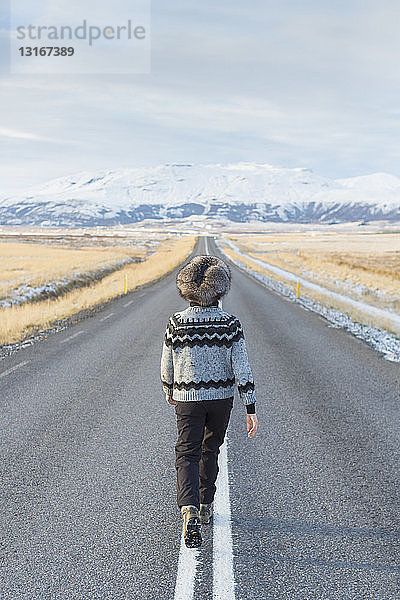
column 201, row 426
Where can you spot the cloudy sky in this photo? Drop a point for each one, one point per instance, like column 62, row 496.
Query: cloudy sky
column 310, row 83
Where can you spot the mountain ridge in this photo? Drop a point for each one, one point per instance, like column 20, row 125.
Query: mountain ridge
column 238, row 192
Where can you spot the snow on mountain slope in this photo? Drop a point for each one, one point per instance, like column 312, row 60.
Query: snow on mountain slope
column 239, row 192
column 377, row 182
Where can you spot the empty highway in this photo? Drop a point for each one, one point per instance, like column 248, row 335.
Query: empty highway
column 307, row 510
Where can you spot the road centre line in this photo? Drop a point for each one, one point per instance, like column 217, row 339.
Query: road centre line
column 223, row 575
column 128, row 303
column 12, row 369
column 71, row 337
column 107, row 317
column 188, row 562
column 224, row 581
column 187, row 567
column 186, row 575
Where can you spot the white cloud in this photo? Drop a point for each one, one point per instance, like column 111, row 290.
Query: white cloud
column 22, row 135
column 299, row 84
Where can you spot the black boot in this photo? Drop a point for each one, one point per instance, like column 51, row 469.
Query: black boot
column 191, row 526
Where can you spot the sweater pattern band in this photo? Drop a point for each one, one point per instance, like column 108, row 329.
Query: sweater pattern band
column 209, row 332
column 198, row 385
column 248, row 387
column 204, row 355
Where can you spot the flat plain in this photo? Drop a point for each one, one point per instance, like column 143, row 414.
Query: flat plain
column 101, row 263
column 364, row 266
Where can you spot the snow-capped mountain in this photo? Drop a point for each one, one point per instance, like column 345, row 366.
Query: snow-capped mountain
column 238, row 192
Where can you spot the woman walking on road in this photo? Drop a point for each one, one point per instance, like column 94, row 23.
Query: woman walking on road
column 203, row 355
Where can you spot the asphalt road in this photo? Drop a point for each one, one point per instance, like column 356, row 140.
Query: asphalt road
column 88, row 509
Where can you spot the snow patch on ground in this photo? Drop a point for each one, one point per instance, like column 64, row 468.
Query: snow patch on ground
column 379, row 339
column 54, row 289
column 358, row 291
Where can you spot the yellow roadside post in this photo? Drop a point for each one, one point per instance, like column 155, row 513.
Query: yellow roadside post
column 126, row 284
column 298, row 289
column 247, row 266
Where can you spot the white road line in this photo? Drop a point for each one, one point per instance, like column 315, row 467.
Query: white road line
column 18, row 366
column 107, row 317
column 368, row 309
column 186, row 575
column 128, row 303
column 206, row 245
column 224, row 582
column 71, row 337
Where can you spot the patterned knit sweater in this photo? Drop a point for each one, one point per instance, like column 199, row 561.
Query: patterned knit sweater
column 203, row 355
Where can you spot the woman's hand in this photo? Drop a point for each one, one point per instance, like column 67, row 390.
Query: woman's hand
column 170, row 400
column 252, row 425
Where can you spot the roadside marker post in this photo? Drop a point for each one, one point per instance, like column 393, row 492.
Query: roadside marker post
column 298, row 290
column 247, row 267
column 126, row 284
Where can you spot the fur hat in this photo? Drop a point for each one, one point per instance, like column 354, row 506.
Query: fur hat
column 204, row 280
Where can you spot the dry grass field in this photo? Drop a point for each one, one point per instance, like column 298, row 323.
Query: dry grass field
column 36, row 264
column 362, row 266
column 46, row 263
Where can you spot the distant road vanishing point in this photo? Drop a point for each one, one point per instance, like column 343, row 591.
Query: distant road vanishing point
column 307, row 510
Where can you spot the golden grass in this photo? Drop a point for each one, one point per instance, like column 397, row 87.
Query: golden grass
column 22, row 263
column 19, row 321
column 326, row 300
column 363, row 266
